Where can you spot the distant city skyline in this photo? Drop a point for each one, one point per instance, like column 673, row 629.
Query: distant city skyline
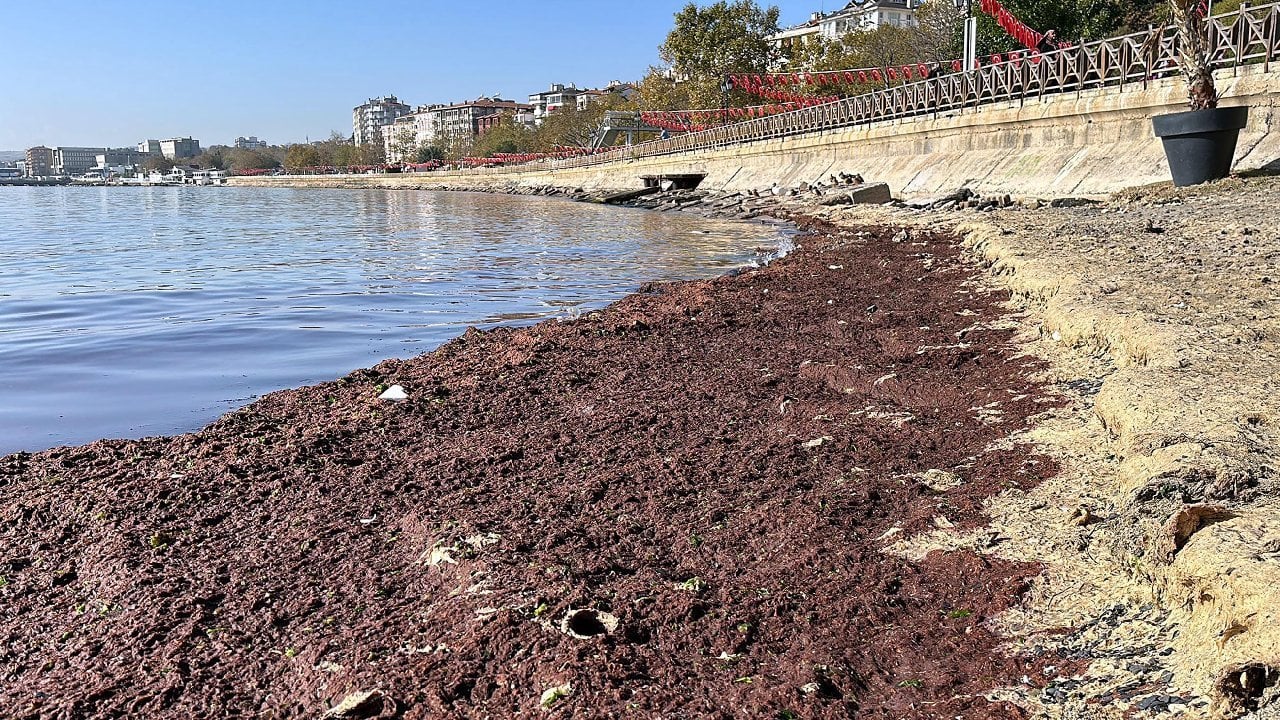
column 112, row 74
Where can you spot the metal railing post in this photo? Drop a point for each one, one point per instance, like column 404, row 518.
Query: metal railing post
column 1240, row 25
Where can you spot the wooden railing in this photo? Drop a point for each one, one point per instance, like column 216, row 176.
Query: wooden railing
column 1249, row 35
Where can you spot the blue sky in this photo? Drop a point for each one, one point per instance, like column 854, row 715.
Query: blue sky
column 113, row 72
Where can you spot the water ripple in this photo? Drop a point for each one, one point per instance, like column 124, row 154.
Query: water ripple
column 135, row 311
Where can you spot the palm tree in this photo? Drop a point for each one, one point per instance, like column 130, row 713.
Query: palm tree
column 1189, row 16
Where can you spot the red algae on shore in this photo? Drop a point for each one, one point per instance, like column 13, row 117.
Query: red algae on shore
column 675, row 507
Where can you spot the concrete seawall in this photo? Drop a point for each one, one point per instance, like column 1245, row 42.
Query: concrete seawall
column 1091, row 142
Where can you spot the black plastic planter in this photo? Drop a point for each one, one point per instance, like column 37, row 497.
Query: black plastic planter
column 1200, row 144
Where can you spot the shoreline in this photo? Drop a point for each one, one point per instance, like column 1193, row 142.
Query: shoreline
column 633, row 462
column 350, row 319
column 1118, row 593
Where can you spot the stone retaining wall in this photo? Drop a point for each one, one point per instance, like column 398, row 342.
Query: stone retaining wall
column 1089, row 143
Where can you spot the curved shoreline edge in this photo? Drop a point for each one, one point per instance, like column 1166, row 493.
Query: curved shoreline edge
column 1158, row 535
column 708, row 469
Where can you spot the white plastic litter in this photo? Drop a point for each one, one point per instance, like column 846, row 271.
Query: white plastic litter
column 394, row 393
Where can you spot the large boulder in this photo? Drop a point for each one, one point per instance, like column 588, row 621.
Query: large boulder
column 866, row 194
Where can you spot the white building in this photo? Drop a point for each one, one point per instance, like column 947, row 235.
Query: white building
column 624, row 90
column 549, row 101
column 367, row 120
column 208, row 177
column 119, row 160
column 250, row 143
column 179, row 148
column 149, row 146
column 434, row 124
column 68, row 161
column 418, row 128
column 857, row 15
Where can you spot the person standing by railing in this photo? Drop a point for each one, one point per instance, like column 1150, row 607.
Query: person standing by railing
column 1048, row 42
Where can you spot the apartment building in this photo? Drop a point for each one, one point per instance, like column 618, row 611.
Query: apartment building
column 464, row 119
column 250, row 143
column 616, row 88
column 69, row 161
column 367, row 120
column 553, row 99
column 179, row 148
column 856, row 15
column 871, row 14
column 431, row 124
column 39, row 161
column 420, row 127
column 119, row 159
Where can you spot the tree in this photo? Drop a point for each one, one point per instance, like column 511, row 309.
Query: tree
column 1219, row 6
column 507, row 136
column 343, row 155
column 428, row 152
column 403, row 145
column 936, row 37
column 1193, row 54
column 374, row 153
column 157, row 163
column 456, row 145
column 211, row 158
column 571, row 127
column 880, row 47
column 939, row 31
column 240, row 159
column 1072, row 19
column 297, row 157
column 709, row 43
column 659, row 90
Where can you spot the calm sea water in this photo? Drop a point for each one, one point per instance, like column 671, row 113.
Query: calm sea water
column 127, row 312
